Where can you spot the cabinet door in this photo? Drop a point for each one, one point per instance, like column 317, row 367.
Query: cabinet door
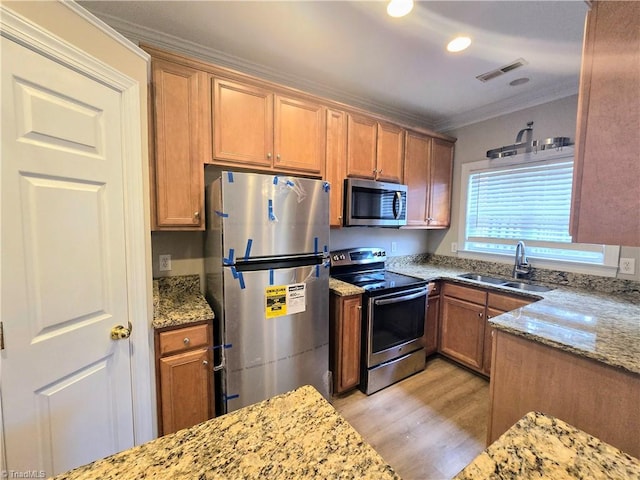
column 178, row 168
column 416, row 175
column 299, row 135
column 606, row 192
column 488, row 340
column 362, row 136
column 389, row 153
column 349, row 356
column 431, row 328
column 440, row 181
column 462, row 331
column 336, row 163
column 242, row 124
column 186, row 395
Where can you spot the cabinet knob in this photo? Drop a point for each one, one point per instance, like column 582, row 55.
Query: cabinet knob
column 186, row 341
column 359, row 307
column 196, row 215
column 480, row 315
column 375, row 171
column 205, row 362
column 269, row 155
column 278, row 157
column 380, row 171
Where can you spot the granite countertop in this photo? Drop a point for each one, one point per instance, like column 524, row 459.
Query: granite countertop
column 296, row 435
column 177, row 301
column 541, row 446
column 601, row 326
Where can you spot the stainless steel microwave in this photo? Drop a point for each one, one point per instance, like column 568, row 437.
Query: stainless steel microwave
column 374, row 204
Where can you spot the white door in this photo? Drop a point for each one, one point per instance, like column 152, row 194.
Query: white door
column 66, row 385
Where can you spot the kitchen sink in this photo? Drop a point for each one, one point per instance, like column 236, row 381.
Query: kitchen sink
column 527, row 287
column 483, row 278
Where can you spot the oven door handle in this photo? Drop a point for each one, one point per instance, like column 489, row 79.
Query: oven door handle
column 405, row 298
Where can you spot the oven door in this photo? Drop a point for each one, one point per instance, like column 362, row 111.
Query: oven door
column 395, row 324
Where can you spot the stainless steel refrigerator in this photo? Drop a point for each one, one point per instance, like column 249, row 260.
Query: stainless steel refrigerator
column 267, row 279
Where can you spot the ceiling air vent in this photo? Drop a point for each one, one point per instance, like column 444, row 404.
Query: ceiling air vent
column 485, row 77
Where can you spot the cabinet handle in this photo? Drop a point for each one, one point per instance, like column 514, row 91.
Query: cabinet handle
column 278, row 157
column 205, row 363
column 186, row 341
column 269, row 155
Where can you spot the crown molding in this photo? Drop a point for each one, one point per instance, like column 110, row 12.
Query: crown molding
column 508, row 105
column 140, row 34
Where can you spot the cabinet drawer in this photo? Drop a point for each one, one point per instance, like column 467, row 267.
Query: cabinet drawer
column 465, row 293
column 506, row 302
column 182, row 339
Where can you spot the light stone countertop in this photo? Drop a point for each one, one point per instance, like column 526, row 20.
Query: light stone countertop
column 296, row 435
column 541, row 446
column 601, row 326
column 177, row 301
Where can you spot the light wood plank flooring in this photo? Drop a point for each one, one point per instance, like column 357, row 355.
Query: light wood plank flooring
column 428, row 426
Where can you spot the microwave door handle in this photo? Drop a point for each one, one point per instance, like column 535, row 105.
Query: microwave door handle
column 397, row 205
column 406, row 298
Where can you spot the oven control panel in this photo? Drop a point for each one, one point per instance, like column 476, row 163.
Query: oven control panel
column 357, row 256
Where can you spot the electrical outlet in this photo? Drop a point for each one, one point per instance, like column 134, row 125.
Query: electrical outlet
column 454, row 247
column 394, row 247
column 628, row 266
column 165, row 263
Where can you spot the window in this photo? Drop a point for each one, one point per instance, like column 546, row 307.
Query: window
column 526, row 197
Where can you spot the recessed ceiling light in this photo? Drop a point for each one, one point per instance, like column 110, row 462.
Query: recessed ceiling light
column 399, row 8
column 458, row 44
column 518, row 81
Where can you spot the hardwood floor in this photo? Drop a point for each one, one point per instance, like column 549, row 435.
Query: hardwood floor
column 428, row 426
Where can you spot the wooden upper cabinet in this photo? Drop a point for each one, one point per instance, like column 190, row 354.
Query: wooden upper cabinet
column 416, row 174
column 606, row 191
column 336, row 163
column 362, row 135
column 440, row 181
column 178, row 171
column 389, row 153
column 254, row 127
column 242, row 123
column 299, row 135
column 428, row 172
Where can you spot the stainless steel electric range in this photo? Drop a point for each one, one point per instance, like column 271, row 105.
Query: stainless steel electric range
column 393, row 316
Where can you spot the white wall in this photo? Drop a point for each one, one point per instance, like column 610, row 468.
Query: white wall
column 407, row 241
column 553, row 119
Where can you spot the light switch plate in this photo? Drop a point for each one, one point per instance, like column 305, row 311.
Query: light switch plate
column 628, row 266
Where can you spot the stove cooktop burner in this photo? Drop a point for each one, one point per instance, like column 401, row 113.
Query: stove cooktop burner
column 380, row 280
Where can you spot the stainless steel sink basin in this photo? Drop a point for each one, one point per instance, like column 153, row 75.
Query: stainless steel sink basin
column 483, row 278
column 527, row 287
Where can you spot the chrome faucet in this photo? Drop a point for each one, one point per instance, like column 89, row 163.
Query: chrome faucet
column 521, row 268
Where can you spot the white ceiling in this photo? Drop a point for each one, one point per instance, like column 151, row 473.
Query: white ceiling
column 353, row 52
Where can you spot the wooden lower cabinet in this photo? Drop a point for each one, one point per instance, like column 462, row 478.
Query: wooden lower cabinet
column 596, row 398
column 184, row 377
column 432, row 324
column 345, row 326
column 465, row 334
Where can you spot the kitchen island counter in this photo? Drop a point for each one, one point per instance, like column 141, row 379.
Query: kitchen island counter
column 541, row 446
column 295, row 435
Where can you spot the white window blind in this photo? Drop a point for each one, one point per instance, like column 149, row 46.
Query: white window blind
column 521, row 203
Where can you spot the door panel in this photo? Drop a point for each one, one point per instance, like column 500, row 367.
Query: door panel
column 66, row 386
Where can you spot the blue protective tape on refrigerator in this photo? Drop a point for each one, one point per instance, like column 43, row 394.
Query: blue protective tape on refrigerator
column 290, row 183
column 225, row 346
column 229, row 259
column 241, row 280
column 317, row 271
column 275, row 180
column 270, row 276
column 272, row 217
column 325, row 249
column 326, row 186
column 220, row 214
column 315, row 245
column 231, row 397
column 230, row 177
column 234, row 272
column 247, row 251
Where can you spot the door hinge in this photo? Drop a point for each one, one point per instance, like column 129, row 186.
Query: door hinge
column 1, row 336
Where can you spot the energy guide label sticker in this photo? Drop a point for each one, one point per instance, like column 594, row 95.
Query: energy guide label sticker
column 285, row 299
